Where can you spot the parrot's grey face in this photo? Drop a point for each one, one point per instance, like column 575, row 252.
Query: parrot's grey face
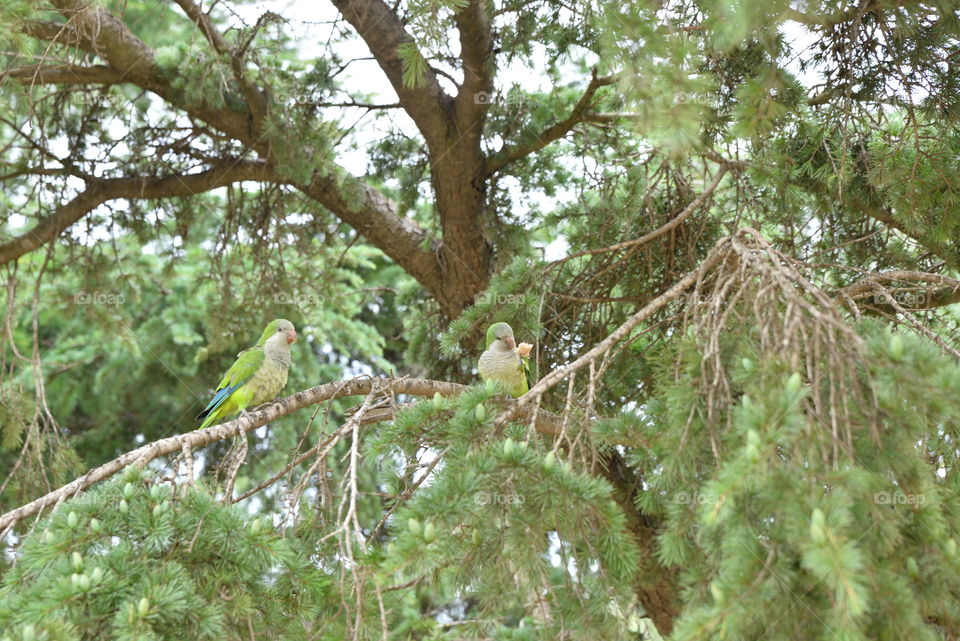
column 505, row 334
column 284, row 335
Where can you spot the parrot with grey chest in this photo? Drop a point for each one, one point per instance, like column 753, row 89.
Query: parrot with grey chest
column 256, row 377
column 503, row 362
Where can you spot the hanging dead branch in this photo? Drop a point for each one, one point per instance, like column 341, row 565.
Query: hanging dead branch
column 797, row 322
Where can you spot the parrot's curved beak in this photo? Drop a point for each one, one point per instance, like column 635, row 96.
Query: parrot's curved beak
column 292, row 336
column 511, row 343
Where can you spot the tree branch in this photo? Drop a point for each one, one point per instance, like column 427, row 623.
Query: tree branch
column 860, row 197
column 95, row 30
column 374, row 216
column 608, row 117
column 65, row 74
column 101, row 190
column 428, row 105
column 841, row 15
column 125, row 52
column 58, row 32
column 912, row 298
column 546, row 423
column 532, row 397
column 256, row 100
column 348, row 198
column 354, row 103
column 34, row 171
column 476, row 52
column 203, row 22
column 670, row 225
column 579, row 114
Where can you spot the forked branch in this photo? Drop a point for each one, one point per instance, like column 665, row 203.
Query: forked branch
column 556, row 131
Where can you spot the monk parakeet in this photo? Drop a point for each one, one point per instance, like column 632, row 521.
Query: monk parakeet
column 256, row 377
column 503, row 362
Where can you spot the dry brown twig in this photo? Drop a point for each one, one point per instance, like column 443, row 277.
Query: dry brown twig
column 619, row 334
column 797, row 321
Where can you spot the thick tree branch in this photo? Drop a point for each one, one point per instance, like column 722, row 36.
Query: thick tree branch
column 608, row 117
column 428, row 105
column 348, row 198
column 657, row 587
column 256, row 100
column 476, row 52
column 101, row 190
column 579, row 114
column 60, row 33
column 111, row 39
column 842, row 15
column 95, row 30
column 374, row 216
column 911, row 298
column 65, row 74
column 453, row 272
column 819, row 20
column 203, row 22
column 546, row 423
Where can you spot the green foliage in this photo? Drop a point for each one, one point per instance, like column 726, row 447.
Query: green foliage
column 12, row 15
column 784, row 510
column 504, row 520
column 911, row 167
column 132, row 560
column 414, row 65
column 134, row 348
column 707, row 480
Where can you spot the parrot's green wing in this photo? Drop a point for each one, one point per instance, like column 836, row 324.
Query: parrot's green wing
column 525, row 366
column 492, row 334
column 247, row 363
column 522, row 384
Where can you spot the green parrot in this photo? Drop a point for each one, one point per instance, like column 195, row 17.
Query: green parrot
column 257, row 376
column 502, row 362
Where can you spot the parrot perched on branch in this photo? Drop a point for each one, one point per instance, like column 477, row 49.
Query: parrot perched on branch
column 256, row 377
column 504, row 361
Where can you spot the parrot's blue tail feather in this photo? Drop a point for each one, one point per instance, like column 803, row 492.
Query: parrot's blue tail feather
column 218, row 399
